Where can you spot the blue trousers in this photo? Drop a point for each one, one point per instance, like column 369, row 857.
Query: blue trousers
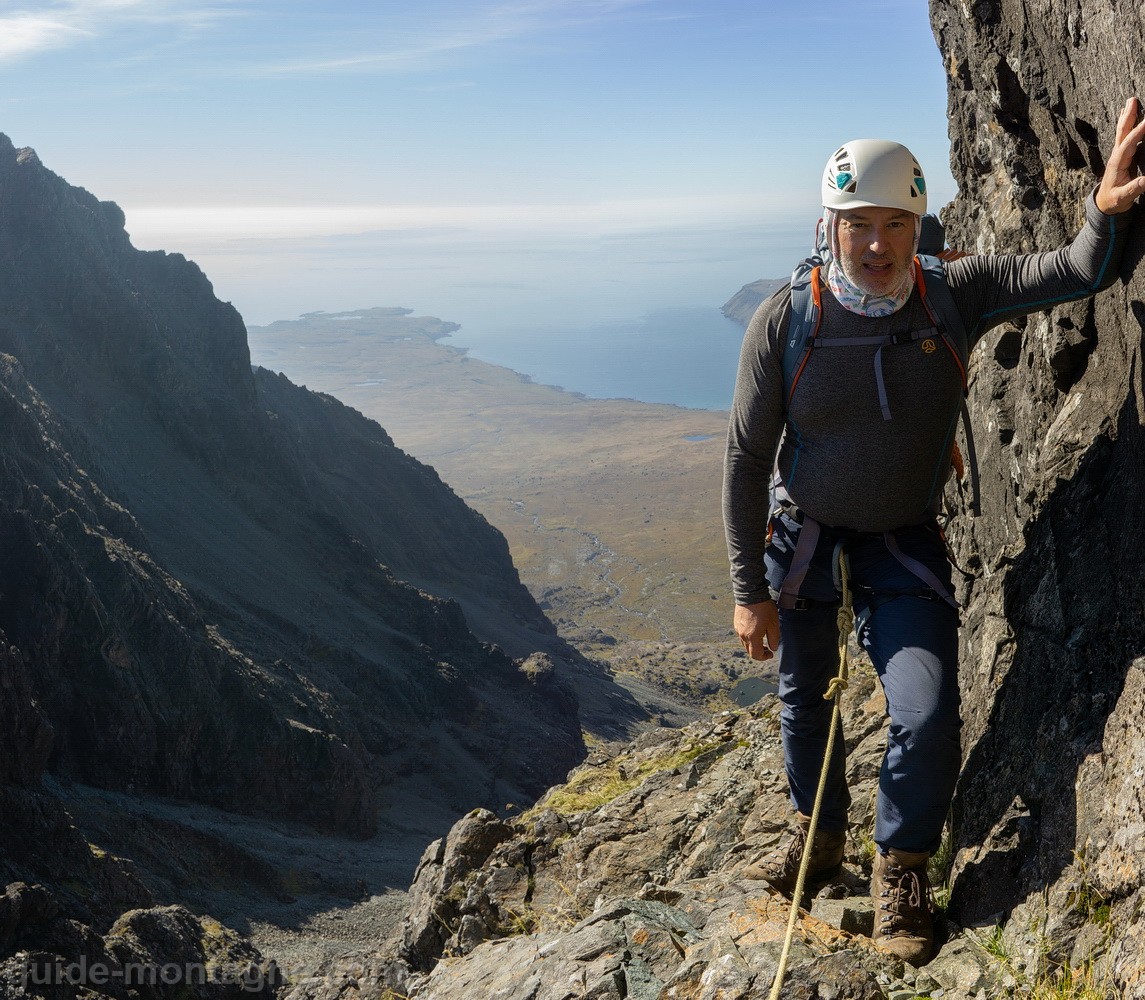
column 911, row 636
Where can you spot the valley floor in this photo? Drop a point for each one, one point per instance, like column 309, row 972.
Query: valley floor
column 611, row 507
column 303, row 898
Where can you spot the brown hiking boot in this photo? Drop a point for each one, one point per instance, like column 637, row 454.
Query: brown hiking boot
column 900, row 891
column 780, row 868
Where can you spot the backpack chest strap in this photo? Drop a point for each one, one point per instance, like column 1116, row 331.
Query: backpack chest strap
column 807, row 315
column 888, row 340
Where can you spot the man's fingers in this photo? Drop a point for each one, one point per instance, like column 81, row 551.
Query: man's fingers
column 758, row 651
column 1121, row 184
column 1130, row 132
column 757, row 627
column 1131, row 140
column 757, row 648
column 1125, row 119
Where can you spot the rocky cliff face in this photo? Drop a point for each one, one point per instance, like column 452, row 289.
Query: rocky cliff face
column 1055, row 624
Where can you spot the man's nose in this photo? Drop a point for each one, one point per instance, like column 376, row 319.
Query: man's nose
column 878, row 242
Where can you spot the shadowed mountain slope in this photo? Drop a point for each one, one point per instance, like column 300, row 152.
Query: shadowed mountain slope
column 204, row 566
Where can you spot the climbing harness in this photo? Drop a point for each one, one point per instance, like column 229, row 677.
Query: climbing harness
column 846, row 621
column 808, row 541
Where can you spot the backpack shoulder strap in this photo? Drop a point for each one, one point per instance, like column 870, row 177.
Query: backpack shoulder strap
column 930, row 274
column 806, row 315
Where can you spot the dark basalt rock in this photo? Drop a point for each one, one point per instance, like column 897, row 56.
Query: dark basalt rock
column 1055, row 620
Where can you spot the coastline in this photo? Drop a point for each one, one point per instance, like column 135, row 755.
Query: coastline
column 610, row 506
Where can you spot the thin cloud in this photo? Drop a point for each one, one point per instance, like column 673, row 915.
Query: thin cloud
column 489, row 26
column 170, row 226
column 22, row 34
column 25, row 33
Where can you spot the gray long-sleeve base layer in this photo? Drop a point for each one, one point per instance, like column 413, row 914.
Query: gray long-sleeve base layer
column 840, row 459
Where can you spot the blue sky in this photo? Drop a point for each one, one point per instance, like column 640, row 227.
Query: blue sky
column 278, row 139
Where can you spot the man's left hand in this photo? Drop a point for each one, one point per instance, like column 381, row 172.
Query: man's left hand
column 1122, row 183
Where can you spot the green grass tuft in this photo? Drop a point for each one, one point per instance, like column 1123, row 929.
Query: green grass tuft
column 598, row 786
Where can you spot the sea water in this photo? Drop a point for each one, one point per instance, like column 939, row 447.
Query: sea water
column 633, row 315
column 685, row 356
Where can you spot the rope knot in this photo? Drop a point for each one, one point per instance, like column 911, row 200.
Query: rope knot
column 837, row 686
column 845, row 620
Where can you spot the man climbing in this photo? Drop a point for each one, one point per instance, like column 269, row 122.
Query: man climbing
column 846, row 451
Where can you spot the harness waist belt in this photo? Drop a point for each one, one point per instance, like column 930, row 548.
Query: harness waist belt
column 808, row 540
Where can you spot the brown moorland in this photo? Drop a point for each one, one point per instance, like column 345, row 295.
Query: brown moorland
column 610, row 507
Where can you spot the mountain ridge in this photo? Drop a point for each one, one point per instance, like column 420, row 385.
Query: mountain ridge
column 201, row 594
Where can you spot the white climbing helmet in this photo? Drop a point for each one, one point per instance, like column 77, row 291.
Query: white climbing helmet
column 866, row 173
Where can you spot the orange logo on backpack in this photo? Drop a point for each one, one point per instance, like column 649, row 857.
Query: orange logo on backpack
column 929, row 346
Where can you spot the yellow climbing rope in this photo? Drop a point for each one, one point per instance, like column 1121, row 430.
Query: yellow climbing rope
column 835, row 689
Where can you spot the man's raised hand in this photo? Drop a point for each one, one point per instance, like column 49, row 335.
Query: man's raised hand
column 1123, row 183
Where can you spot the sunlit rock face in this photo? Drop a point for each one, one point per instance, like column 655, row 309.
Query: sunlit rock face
column 1055, row 615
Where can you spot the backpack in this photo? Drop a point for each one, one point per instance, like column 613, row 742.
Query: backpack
column 930, row 280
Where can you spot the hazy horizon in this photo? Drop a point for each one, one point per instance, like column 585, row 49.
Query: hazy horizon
column 495, row 276
column 603, row 315
column 503, row 165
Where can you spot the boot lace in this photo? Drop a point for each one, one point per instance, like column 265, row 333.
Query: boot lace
column 904, row 901
column 786, row 860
